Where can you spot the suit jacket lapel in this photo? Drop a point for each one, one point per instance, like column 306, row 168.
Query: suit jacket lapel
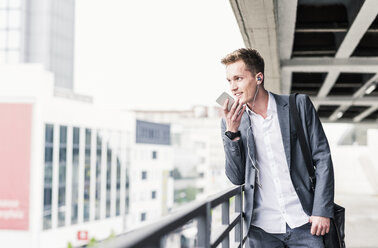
column 284, row 120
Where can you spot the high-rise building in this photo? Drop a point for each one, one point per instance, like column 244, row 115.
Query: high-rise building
column 39, row 31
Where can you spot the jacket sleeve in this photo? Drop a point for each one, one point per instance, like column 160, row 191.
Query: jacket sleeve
column 321, row 156
column 235, row 158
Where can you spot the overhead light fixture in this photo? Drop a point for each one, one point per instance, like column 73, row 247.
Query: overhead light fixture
column 339, row 114
column 370, row 89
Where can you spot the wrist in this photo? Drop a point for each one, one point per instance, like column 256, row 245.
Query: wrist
column 233, row 135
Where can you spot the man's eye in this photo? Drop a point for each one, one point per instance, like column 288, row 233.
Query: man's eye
column 239, row 78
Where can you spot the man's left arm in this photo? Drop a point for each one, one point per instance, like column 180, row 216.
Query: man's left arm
column 321, row 156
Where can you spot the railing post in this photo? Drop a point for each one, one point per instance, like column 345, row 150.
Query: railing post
column 226, row 221
column 239, row 209
column 204, row 227
column 162, row 241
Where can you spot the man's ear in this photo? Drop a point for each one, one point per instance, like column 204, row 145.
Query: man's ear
column 260, row 77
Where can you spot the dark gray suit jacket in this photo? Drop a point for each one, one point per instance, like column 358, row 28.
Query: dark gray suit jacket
column 240, row 171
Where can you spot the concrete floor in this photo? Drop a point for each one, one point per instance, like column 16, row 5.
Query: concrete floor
column 361, row 227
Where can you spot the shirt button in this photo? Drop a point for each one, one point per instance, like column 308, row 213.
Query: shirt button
column 251, row 186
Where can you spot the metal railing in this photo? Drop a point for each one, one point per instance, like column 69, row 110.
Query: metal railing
column 154, row 234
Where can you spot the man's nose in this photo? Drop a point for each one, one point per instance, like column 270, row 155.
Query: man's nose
column 233, row 86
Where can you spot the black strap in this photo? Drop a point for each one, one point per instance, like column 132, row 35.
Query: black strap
column 302, row 141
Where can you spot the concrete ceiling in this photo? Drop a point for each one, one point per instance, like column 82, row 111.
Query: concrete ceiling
column 327, row 49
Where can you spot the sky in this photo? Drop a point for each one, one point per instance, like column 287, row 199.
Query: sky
column 153, row 54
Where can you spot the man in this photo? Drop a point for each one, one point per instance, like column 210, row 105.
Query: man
column 262, row 152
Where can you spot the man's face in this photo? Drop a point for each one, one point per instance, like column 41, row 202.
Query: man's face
column 242, row 82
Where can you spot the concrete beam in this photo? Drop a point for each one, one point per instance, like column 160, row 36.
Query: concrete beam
column 286, row 82
column 358, row 94
column 365, row 124
column 328, row 83
column 364, row 114
column 363, row 65
column 330, row 30
column 286, row 18
column 256, row 20
column 335, row 115
column 335, row 100
column 361, row 91
column 363, row 20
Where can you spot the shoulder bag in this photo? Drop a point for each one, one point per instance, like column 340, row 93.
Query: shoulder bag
column 335, row 237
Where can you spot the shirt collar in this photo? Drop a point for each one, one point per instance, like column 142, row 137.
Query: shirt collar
column 272, row 106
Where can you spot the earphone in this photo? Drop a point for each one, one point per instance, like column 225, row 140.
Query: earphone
column 249, row 155
column 249, row 129
column 254, row 97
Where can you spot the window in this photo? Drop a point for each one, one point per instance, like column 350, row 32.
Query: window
column 154, row 154
column 10, row 31
column 75, row 175
column 142, row 216
column 127, row 186
column 87, row 173
column 144, row 175
column 98, row 175
column 108, row 178
column 118, row 188
column 153, row 194
column 14, row 18
column 47, row 192
column 62, row 176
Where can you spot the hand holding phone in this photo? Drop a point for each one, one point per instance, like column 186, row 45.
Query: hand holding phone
column 222, row 98
column 232, row 116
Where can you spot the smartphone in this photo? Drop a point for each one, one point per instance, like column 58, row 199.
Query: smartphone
column 222, row 98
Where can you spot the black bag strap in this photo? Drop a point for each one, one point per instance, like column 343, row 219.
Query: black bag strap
column 302, row 141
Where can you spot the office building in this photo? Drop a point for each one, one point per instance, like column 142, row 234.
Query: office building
column 73, row 172
column 39, row 31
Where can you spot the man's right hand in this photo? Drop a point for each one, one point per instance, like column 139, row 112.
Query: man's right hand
column 233, row 117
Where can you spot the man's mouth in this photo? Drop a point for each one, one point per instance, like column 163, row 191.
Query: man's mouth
column 238, row 94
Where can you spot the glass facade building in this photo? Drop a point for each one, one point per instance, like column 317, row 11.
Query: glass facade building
column 10, row 31
column 111, row 156
column 39, row 31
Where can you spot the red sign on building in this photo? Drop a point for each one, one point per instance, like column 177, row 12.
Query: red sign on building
column 15, row 149
column 82, row 235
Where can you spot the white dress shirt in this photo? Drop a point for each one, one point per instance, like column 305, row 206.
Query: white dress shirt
column 276, row 202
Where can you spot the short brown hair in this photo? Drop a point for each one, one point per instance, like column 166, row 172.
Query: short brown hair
column 251, row 58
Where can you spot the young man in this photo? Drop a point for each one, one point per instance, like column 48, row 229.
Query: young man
column 262, row 152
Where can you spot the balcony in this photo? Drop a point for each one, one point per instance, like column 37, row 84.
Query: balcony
column 199, row 215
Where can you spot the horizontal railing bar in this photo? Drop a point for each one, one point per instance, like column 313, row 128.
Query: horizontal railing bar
column 160, row 228
column 235, row 219
column 151, row 234
column 223, row 196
